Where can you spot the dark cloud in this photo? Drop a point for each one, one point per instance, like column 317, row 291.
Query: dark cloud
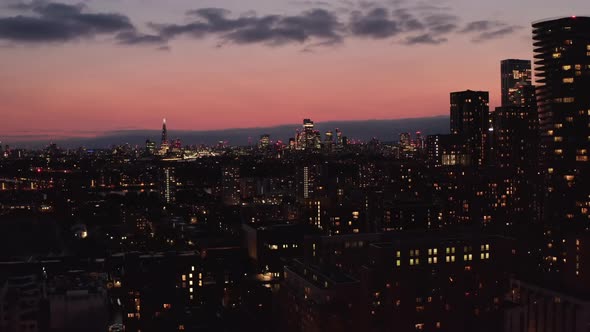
column 406, row 22
column 52, row 22
column 494, row 34
column 425, row 39
column 309, row 3
column 270, row 29
column 441, row 23
column 134, row 37
column 485, row 30
column 377, row 23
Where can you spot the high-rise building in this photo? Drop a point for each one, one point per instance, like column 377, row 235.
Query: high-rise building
column 150, row 147
column 264, row 141
column 230, row 184
column 309, row 138
column 168, row 184
column 515, row 75
column 470, row 121
column 515, row 134
column 404, row 139
column 562, row 71
column 164, row 144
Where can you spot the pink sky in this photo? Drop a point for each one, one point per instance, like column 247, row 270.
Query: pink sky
column 99, row 86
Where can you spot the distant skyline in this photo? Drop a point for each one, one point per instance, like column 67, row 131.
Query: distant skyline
column 362, row 130
column 79, row 69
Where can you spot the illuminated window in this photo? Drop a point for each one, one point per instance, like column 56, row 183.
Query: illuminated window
column 558, row 139
column 568, row 99
column 398, row 263
column 558, row 151
column 568, row 80
column 567, row 67
column 398, row 254
column 556, row 55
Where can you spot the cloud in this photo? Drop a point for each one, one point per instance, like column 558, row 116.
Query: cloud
column 309, row 3
column 425, row 39
column 317, row 23
column 134, row 37
column 40, row 21
column 56, row 22
column 494, row 34
column 485, row 30
column 441, row 23
column 377, row 23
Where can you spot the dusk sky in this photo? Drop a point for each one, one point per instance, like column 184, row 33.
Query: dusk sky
column 83, row 68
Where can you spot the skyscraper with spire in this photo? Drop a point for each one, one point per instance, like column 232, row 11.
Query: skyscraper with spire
column 164, row 145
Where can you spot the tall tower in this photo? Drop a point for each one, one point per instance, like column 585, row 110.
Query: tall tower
column 562, row 70
column 470, row 120
column 167, row 184
column 515, row 75
column 164, row 133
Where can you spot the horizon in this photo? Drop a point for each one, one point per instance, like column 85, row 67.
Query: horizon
column 187, row 61
column 236, row 135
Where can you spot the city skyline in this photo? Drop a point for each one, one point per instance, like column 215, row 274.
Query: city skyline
column 376, row 44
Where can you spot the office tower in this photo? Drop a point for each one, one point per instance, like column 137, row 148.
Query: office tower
column 338, row 137
column 329, row 137
column 419, row 142
column 329, row 141
column 562, row 60
column 230, row 185
column 167, row 184
column 309, row 138
column 470, row 121
column 404, row 139
column 150, row 147
column 264, row 141
column 515, row 75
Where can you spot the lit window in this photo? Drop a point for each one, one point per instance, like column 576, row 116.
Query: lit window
column 398, row 263
column 556, row 55
column 567, row 67
column 568, row 80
